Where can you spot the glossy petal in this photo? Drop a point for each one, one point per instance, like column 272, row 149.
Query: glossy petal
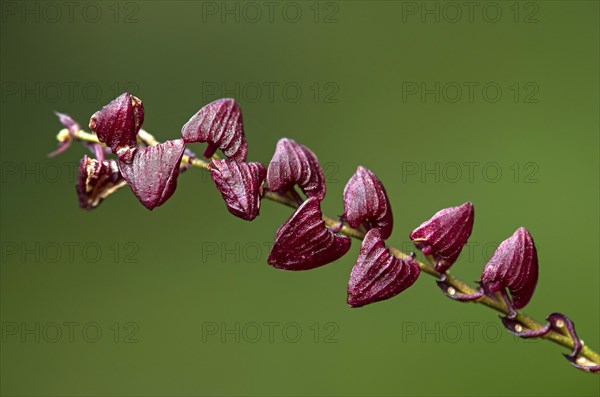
column 220, row 124
column 118, row 123
column 377, row 274
column 514, row 265
column 303, row 242
column 365, row 200
column 294, row 164
column 153, row 172
column 97, row 180
column 240, row 185
column 445, row 235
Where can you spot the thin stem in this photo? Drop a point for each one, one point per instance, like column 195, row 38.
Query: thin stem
column 457, row 284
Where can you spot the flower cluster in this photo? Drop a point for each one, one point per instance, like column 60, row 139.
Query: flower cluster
column 304, row 241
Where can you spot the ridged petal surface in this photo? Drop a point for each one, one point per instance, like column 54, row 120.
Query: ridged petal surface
column 220, row 124
column 514, row 265
column 118, row 123
column 445, row 234
column 365, row 199
column 377, row 274
column 240, row 185
column 304, row 242
column 152, row 175
column 294, row 164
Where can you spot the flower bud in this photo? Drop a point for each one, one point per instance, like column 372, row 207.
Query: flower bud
column 152, row 174
column 561, row 324
column 365, row 200
column 117, row 125
column 514, row 266
column 220, row 124
column 377, row 274
column 97, row 180
column 240, row 185
column 294, row 164
column 303, row 242
column 445, row 235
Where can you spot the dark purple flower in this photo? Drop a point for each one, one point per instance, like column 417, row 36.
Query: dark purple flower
column 220, row 124
column 97, row 179
column 514, row 266
column 294, row 164
column 377, row 274
column 153, row 172
column 365, row 200
column 118, row 123
column 240, row 185
column 445, row 235
column 303, row 242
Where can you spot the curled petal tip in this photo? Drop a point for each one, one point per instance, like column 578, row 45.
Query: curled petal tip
column 365, row 200
column 445, row 234
column 220, row 125
column 118, row 123
column 68, row 122
column 378, row 275
column 65, row 136
column 295, row 164
column 153, row 171
column 304, row 242
column 560, row 323
column 516, row 328
column 240, row 185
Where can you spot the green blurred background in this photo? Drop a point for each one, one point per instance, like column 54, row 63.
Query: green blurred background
column 183, row 297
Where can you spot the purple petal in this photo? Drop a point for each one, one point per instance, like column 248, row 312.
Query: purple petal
column 445, row 235
column 65, row 140
column 514, row 265
column 303, row 242
column 294, row 164
column 153, row 172
column 118, row 123
column 365, row 199
column 377, row 274
column 97, row 149
column 62, row 146
column 220, row 124
column 240, row 185
column 97, row 180
column 68, row 122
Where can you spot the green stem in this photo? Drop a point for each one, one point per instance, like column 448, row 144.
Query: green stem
column 458, row 285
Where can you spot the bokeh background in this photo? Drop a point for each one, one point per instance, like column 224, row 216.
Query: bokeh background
column 496, row 103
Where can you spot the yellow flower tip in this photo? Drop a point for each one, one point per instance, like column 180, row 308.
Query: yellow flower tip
column 63, row 135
